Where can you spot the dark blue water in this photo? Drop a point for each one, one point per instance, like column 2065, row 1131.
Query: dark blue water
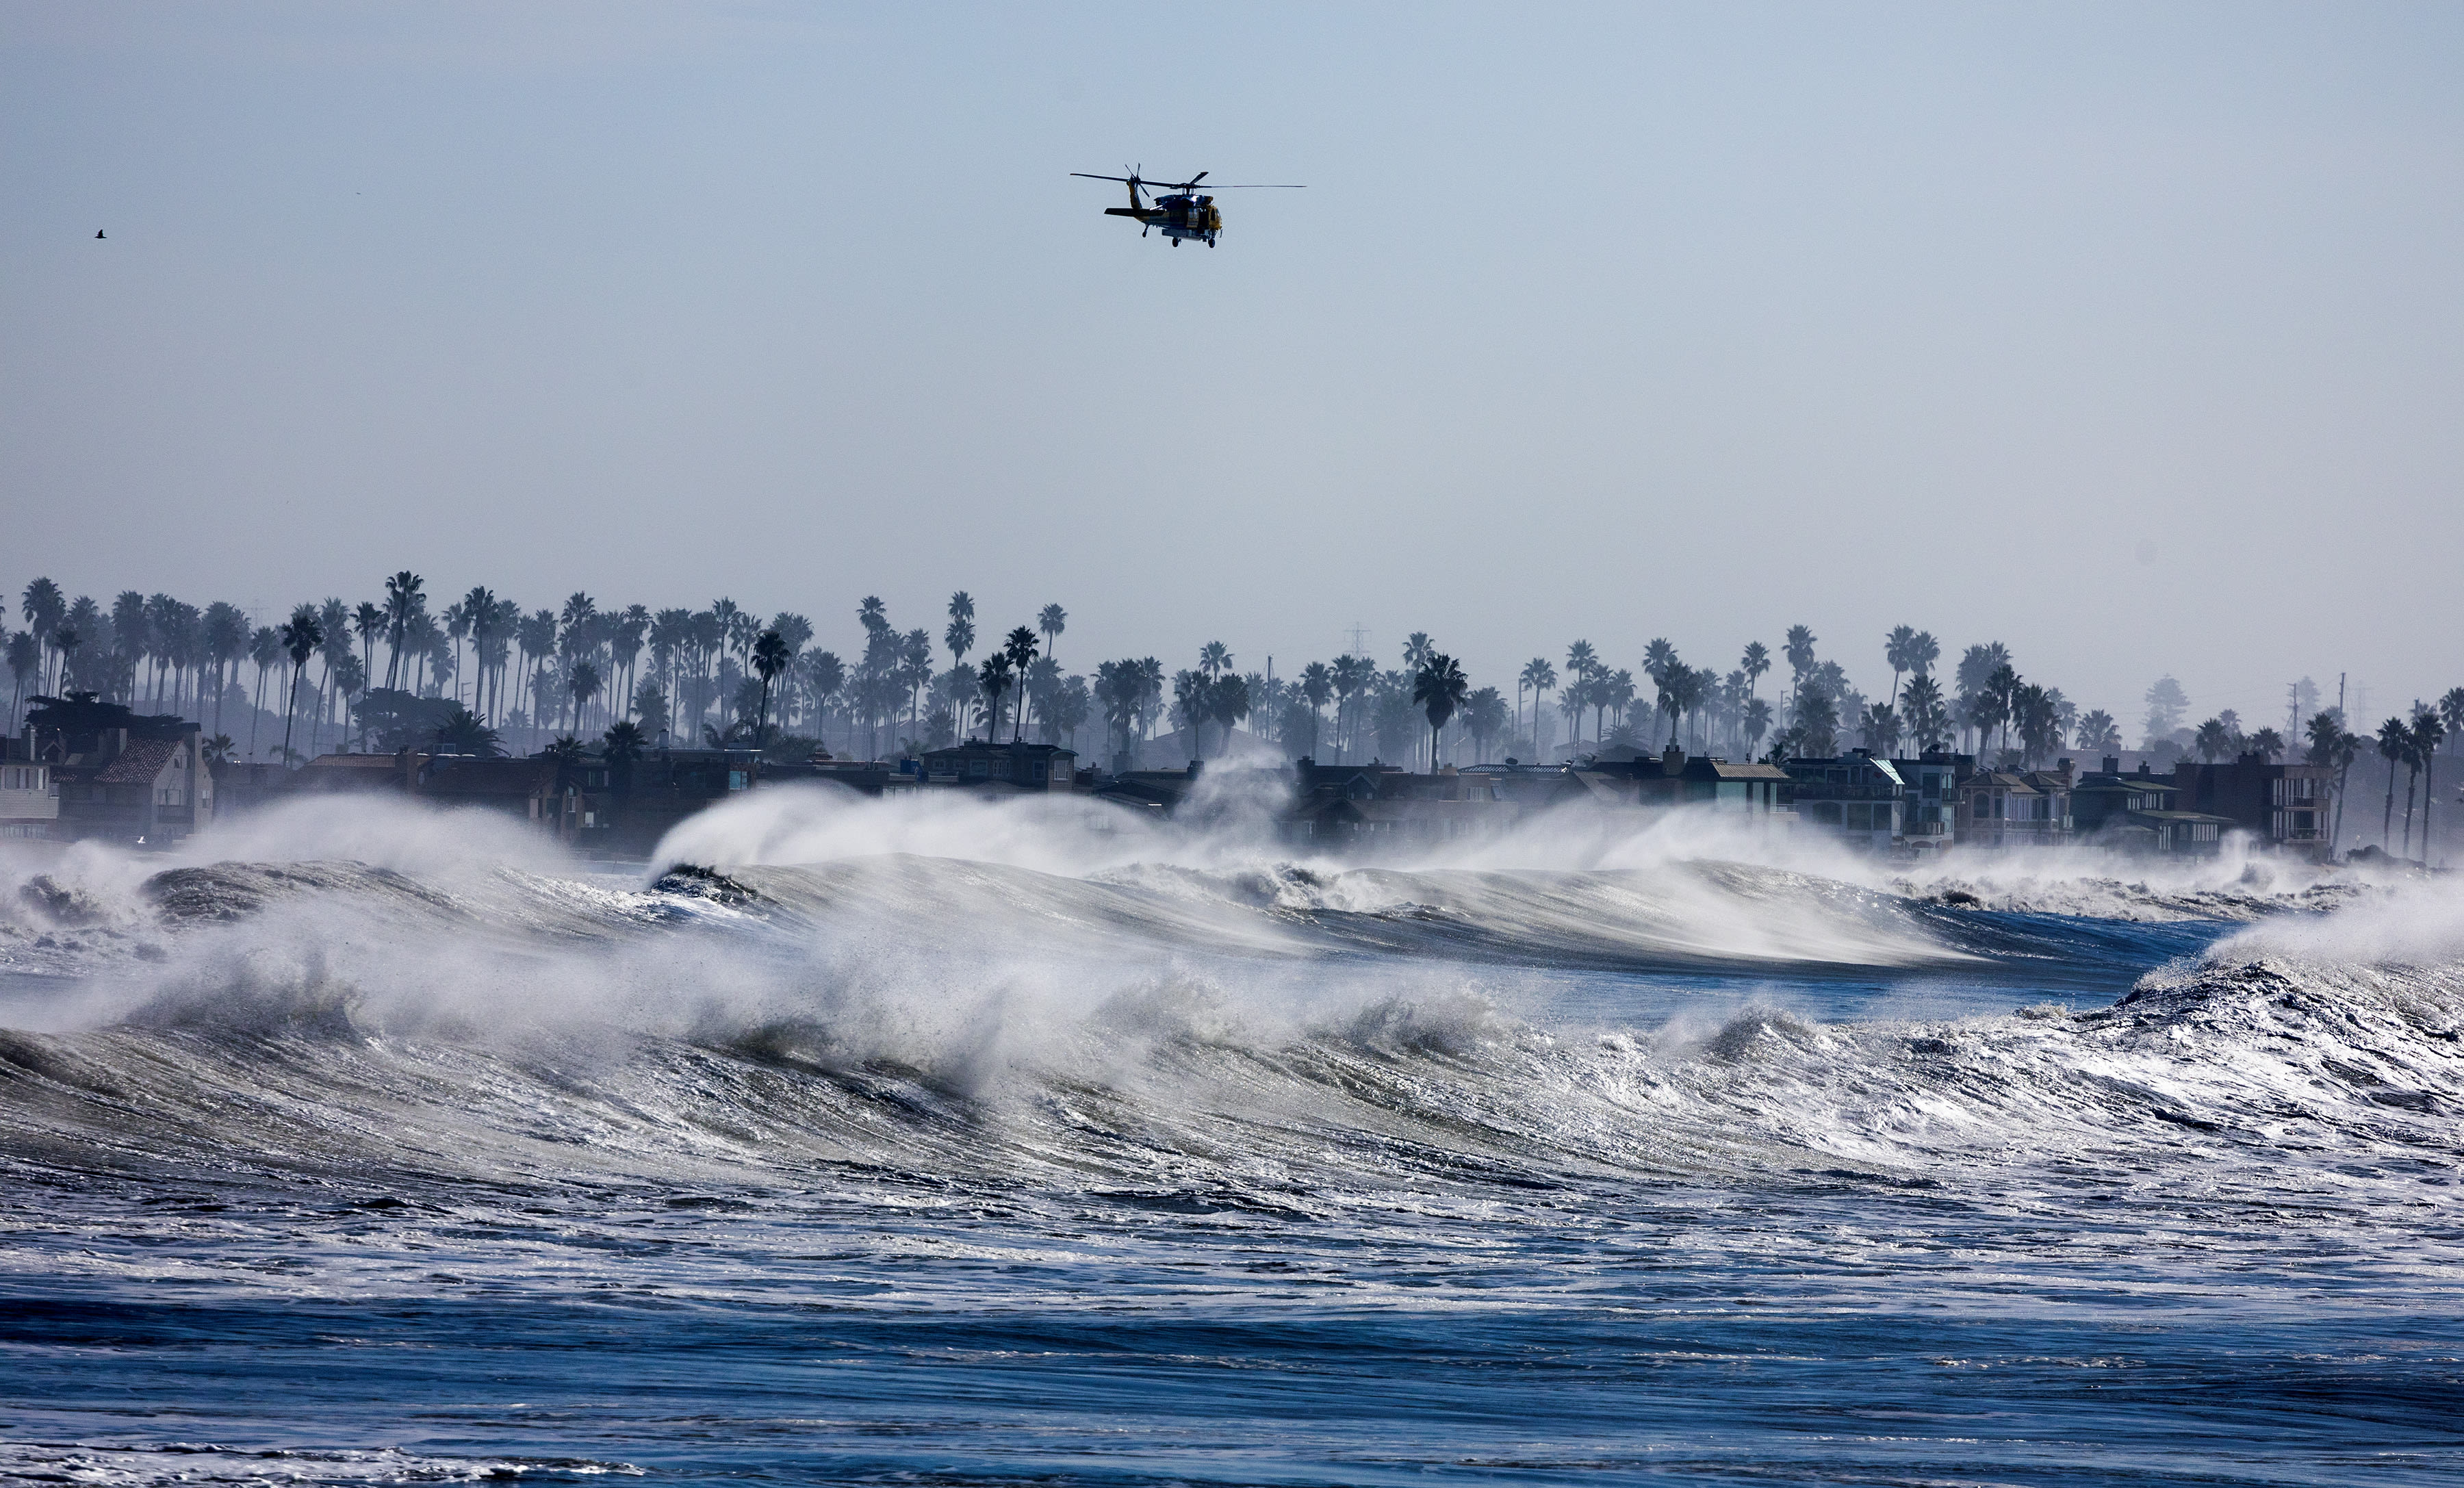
column 773, row 1188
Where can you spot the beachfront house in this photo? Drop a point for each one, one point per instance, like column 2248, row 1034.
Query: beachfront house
column 1855, row 798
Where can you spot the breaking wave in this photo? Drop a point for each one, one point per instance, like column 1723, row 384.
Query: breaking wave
column 1265, row 1033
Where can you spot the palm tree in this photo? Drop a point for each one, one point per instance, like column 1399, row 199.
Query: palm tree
column 46, row 608
column 1051, row 620
column 1898, row 649
column 1118, row 686
column 1228, row 702
column 1756, row 720
column 1018, row 650
column 333, row 618
column 621, row 746
column 64, row 642
column 568, row 753
column 1618, row 690
column 226, row 636
column 1582, row 664
column 915, row 671
column 2428, row 734
column 1658, row 657
column 1437, row 690
column 1481, row 721
column 994, row 677
column 1923, row 652
column 2098, row 732
column 1671, row 679
column 2394, row 743
column 583, row 683
column 264, row 653
column 1417, row 648
column 1815, row 732
column 2037, row 713
column 1540, row 677
column 479, row 618
column 2323, row 731
column 2000, row 694
column 24, row 660
column 770, row 657
column 300, row 637
column 1977, row 664
column 825, row 675
column 131, row 636
column 1213, row 660
column 369, row 622
column 1798, row 647
column 1189, row 695
column 1882, row 730
column 1753, row 663
column 1316, row 687
column 404, row 598
column 2330, row 745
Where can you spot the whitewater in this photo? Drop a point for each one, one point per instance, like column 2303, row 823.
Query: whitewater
column 968, row 1142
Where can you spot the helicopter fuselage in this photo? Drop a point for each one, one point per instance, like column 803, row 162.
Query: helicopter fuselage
column 1179, row 216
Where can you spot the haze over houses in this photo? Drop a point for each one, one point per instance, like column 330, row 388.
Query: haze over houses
column 143, row 720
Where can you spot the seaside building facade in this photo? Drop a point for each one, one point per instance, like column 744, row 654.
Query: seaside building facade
column 1858, row 798
column 994, row 765
column 91, row 770
column 2016, row 808
column 1929, row 807
column 1385, row 805
column 2136, row 812
column 2286, row 807
column 1675, row 778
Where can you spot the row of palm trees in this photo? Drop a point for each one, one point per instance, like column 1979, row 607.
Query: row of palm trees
column 1820, row 712
column 722, row 674
column 2409, row 743
column 582, row 664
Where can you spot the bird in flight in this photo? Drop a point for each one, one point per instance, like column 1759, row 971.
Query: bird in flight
column 97, row 232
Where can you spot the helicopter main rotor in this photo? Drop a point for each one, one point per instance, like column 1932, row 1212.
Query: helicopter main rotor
column 1192, row 183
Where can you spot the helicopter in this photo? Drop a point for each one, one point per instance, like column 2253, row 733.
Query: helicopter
column 1178, row 210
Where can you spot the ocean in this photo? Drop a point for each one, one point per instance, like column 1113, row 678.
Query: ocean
column 954, row 1143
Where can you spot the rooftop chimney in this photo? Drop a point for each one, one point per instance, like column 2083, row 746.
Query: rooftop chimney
column 2112, row 765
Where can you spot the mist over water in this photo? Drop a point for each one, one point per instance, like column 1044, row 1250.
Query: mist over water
column 956, row 1141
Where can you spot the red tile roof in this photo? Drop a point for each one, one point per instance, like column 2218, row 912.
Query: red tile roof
column 139, row 763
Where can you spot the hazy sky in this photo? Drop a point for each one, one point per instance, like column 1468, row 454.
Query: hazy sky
column 2129, row 335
